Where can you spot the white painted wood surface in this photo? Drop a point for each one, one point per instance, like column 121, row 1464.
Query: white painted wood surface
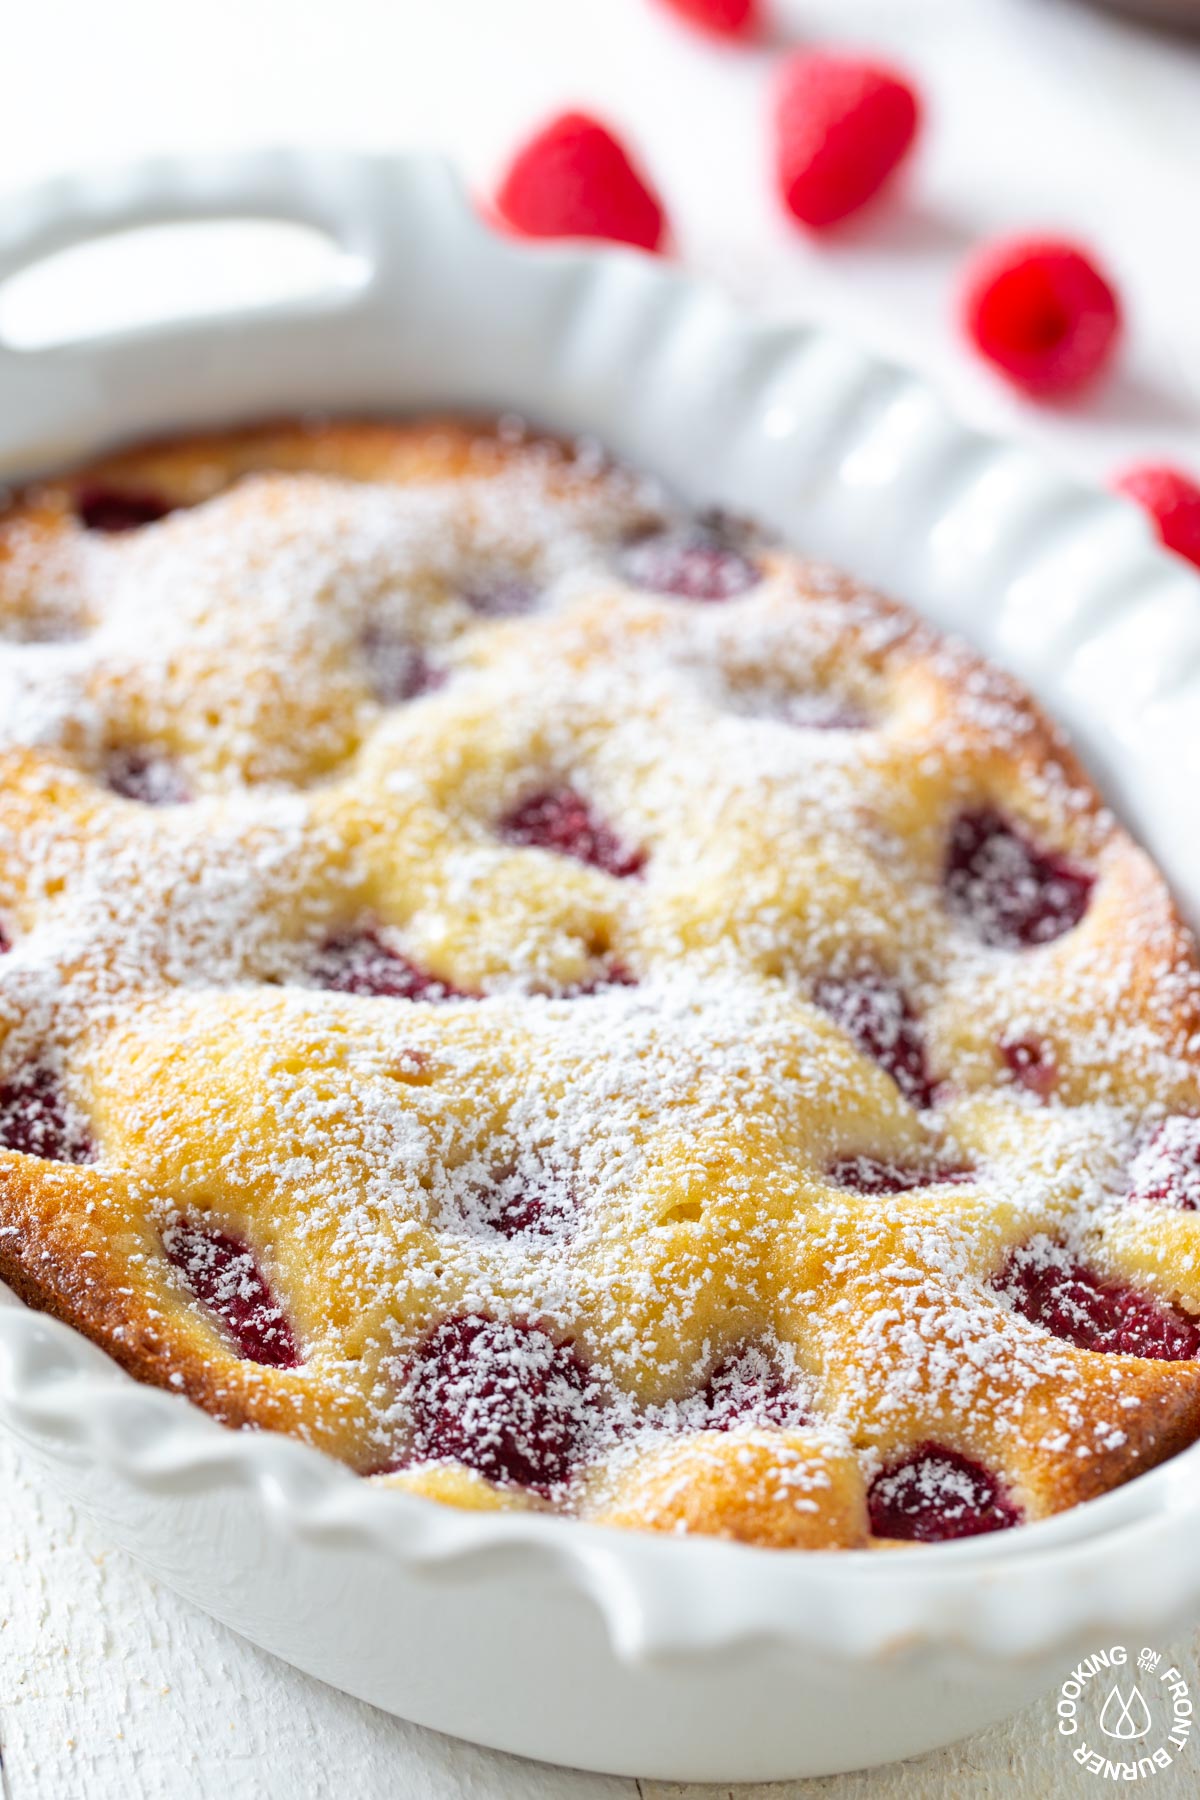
column 1042, row 114
column 112, row 1686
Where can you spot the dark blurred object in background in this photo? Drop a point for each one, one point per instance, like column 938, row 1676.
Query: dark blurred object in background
column 1184, row 15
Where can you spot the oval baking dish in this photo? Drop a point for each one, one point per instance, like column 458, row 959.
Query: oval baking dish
column 688, row 1659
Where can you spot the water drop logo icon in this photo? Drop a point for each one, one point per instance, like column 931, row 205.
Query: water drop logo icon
column 1125, row 1716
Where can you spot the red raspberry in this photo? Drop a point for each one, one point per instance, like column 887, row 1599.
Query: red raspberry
column 35, row 1118
column 842, row 127
column 359, row 962
column 224, row 1275
column 1166, row 1170
column 878, row 1016
column 720, row 18
column 1173, row 501
column 611, row 975
column 559, row 819
column 513, row 1202
column 748, row 1388
column 935, row 1495
column 1012, row 894
column 871, row 1175
column 504, row 1398
column 1031, row 1065
column 1045, row 1284
column 691, row 565
column 397, row 668
column 102, row 508
column 1042, row 313
column 573, row 179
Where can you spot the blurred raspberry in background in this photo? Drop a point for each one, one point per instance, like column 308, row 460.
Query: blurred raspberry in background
column 843, row 126
column 722, row 18
column 572, row 178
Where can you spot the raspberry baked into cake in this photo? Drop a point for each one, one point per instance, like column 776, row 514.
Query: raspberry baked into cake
column 563, row 1005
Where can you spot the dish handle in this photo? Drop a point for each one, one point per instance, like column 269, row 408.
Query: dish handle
column 356, row 201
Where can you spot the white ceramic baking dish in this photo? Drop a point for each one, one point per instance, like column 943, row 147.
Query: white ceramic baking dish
column 606, row 1650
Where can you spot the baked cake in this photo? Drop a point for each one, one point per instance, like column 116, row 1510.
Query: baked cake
column 561, row 1004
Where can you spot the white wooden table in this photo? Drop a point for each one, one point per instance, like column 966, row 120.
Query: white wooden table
column 1042, row 114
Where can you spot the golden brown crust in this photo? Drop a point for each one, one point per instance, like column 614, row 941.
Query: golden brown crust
column 781, row 1492
column 165, row 971
column 81, row 1267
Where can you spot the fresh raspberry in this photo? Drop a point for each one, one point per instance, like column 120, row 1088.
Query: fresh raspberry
column 877, row 1015
column 871, row 1175
column 1166, row 1170
column 694, row 564
column 1012, row 894
column 1173, row 501
column 1046, row 1285
column 842, row 127
column 561, row 820
column 502, row 1397
column 359, row 962
column 36, row 1119
column 102, row 508
column 397, row 669
column 611, row 975
column 935, row 1495
column 748, row 1388
column 225, row 1277
column 573, row 179
column 720, row 18
column 1031, row 1065
column 515, row 1202
column 1042, row 313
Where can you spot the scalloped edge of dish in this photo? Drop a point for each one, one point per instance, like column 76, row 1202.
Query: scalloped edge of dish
column 862, row 463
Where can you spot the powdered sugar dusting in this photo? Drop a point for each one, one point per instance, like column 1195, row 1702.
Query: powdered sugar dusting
column 585, row 1000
